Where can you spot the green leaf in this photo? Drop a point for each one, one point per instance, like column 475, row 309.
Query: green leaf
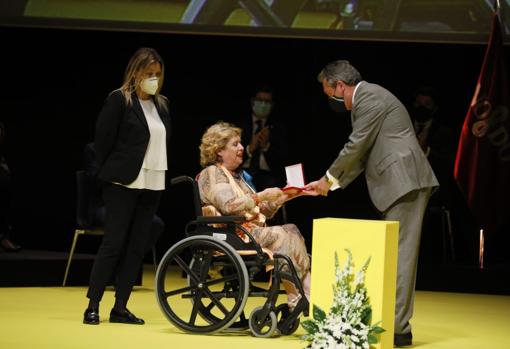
column 366, row 317
column 307, row 337
column 372, row 339
column 318, row 313
column 367, row 262
column 377, row 329
column 310, row 326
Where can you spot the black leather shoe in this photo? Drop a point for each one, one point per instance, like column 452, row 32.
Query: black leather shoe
column 91, row 316
column 125, row 317
column 9, row 246
column 402, row 340
column 238, row 326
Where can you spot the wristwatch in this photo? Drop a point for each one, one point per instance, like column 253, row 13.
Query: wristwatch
column 328, row 180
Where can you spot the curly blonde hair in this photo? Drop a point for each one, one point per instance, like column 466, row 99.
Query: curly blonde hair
column 214, row 140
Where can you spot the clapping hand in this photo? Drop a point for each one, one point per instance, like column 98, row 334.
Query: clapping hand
column 260, row 139
column 263, row 137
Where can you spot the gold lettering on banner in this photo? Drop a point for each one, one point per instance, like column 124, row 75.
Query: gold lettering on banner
column 481, row 110
column 479, row 128
column 491, row 122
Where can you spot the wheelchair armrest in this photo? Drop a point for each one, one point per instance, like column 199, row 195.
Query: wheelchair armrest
column 200, row 225
column 221, row 219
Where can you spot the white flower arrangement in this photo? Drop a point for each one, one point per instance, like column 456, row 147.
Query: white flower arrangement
column 349, row 322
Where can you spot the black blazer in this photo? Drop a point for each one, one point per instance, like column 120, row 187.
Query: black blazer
column 122, row 136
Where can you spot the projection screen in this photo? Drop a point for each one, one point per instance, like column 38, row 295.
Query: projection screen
column 397, row 20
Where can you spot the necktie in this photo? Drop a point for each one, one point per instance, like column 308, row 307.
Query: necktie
column 419, row 129
column 258, row 126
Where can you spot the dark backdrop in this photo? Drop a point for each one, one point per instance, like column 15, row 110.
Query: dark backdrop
column 54, row 82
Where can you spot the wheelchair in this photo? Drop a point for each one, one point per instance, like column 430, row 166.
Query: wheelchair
column 203, row 281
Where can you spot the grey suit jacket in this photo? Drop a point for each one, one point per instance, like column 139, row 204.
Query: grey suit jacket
column 384, row 145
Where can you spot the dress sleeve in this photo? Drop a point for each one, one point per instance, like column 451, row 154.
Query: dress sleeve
column 216, row 190
column 268, row 209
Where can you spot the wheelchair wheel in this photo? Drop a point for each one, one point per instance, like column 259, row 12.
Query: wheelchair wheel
column 214, row 290
column 284, row 326
column 262, row 325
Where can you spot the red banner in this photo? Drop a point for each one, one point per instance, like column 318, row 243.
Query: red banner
column 482, row 166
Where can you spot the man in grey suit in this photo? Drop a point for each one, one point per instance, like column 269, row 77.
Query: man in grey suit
column 398, row 175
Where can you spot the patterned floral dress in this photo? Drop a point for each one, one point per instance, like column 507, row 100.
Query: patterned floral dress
column 231, row 195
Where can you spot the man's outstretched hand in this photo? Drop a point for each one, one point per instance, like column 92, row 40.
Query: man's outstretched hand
column 320, row 187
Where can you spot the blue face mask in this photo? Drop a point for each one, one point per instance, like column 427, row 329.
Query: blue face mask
column 337, row 104
column 261, row 108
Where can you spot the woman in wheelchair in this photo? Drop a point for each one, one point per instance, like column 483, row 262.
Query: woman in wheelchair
column 226, row 245
column 222, row 186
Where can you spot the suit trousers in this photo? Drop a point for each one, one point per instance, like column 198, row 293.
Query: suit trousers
column 129, row 213
column 408, row 211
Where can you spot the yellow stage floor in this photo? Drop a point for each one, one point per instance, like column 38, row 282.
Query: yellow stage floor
column 50, row 317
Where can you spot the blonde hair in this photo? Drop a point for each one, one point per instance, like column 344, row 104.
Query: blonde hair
column 214, row 140
column 139, row 62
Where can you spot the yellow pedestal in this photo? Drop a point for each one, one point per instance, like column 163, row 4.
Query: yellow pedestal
column 364, row 238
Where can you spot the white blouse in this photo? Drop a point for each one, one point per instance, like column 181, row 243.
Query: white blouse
column 152, row 173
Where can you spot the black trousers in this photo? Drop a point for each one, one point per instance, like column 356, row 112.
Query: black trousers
column 129, row 213
column 156, row 230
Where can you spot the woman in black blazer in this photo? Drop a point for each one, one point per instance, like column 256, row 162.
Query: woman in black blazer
column 132, row 132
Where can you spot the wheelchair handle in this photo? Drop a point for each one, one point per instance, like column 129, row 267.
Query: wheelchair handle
column 196, row 194
column 177, row 180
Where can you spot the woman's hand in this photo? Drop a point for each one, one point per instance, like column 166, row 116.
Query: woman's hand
column 270, row 194
column 288, row 195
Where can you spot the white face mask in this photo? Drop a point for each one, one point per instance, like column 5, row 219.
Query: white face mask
column 261, row 109
column 150, row 85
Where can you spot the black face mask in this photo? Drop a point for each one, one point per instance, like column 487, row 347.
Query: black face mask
column 422, row 114
column 337, row 104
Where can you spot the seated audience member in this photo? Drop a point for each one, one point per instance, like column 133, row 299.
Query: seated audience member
column 5, row 199
column 437, row 141
column 222, row 186
column 266, row 141
column 97, row 210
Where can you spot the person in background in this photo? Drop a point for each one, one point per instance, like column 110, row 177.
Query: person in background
column 6, row 244
column 266, row 141
column 132, row 131
column 399, row 177
column 439, row 145
column 436, row 139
